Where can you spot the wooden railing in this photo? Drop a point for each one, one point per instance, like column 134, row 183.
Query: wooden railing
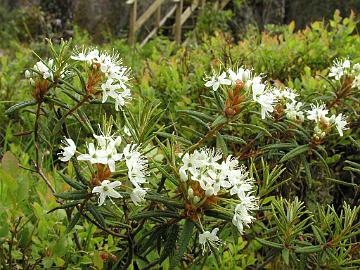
column 155, row 10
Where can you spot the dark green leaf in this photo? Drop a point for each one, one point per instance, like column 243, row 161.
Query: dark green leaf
column 295, row 152
column 74, row 195
column 75, row 219
column 21, row 105
column 183, row 243
column 74, row 184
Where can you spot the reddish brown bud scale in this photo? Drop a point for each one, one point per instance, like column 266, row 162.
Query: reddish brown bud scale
column 231, row 94
column 228, row 103
column 239, row 86
column 238, row 99
column 41, row 88
column 237, row 108
column 229, row 112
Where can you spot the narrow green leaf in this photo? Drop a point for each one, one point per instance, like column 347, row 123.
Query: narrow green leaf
column 318, row 234
column 164, row 172
column 167, row 201
column 221, row 119
column 269, row 243
column 154, row 213
column 197, row 114
column 217, row 214
column 177, row 138
column 220, row 143
column 96, row 214
column 74, row 184
column 170, row 243
column 254, row 128
column 279, row 146
column 285, row 255
column 233, row 139
column 82, row 80
column 215, row 252
column 74, row 195
column 20, row 105
column 340, row 182
column 75, row 219
column 64, row 206
column 183, row 243
column 295, row 152
column 308, row 249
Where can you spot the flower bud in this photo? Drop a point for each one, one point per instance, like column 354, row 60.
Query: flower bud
column 27, row 74
column 32, row 82
column 196, row 199
column 190, row 193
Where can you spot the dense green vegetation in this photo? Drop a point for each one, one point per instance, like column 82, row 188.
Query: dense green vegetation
column 308, row 192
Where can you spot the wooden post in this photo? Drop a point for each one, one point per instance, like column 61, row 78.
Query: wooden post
column 179, row 7
column 132, row 22
column 158, row 16
column 202, row 6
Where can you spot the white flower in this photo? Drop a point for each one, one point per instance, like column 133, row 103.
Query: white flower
column 107, row 190
column 248, row 201
column 109, row 89
column 293, row 111
column 240, row 75
column 257, row 89
column 45, row 70
column 215, row 82
column 104, row 139
column 68, row 150
column 286, row 93
column 209, row 239
column 242, row 217
column 240, row 181
column 339, row 68
column 122, row 98
column 27, row 74
column 87, row 56
column 137, row 164
column 339, row 122
column 105, row 152
column 266, row 101
column 356, row 82
column 318, row 113
column 190, row 164
column 112, row 155
column 94, row 155
column 138, row 194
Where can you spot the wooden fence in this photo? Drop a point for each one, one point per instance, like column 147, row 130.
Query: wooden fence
column 154, row 11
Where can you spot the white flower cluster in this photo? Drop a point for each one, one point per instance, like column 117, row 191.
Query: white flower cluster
column 318, row 114
column 252, row 83
column 203, row 167
column 117, row 75
column 287, row 98
column 104, row 150
column 343, row 68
